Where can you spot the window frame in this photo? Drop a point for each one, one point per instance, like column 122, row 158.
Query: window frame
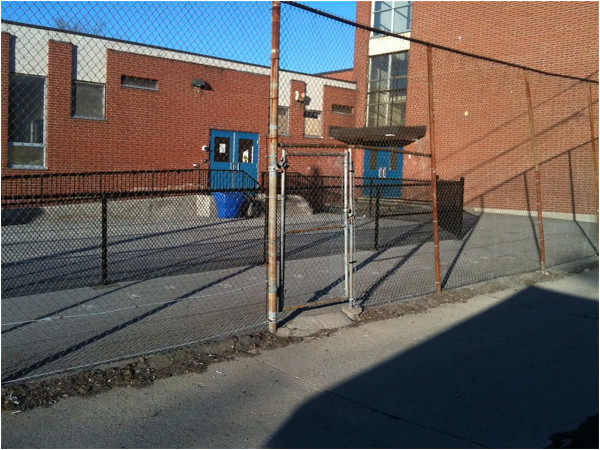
column 320, row 117
column 74, row 100
column 395, row 7
column 382, row 97
column 287, row 120
column 42, row 145
column 343, row 110
column 142, row 88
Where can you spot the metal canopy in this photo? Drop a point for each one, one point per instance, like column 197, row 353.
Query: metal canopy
column 388, row 136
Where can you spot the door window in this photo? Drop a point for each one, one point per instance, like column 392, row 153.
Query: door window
column 372, row 160
column 222, row 149
column 245, row 150
column 393, row 161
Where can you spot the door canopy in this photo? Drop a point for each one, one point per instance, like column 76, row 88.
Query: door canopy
column 388, row 136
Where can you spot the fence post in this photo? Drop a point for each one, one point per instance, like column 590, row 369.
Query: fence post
column 377, row 199
column 538, row 187
column 104, row 239
column 370, row 199
column 281, row 280
column 436, row 237
column 272, row 299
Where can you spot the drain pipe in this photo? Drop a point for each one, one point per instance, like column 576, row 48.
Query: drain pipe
column 272, row 170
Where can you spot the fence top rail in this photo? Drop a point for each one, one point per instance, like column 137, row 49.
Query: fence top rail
column 86, row 174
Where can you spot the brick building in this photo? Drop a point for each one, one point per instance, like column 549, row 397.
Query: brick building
column 482, row 131
column 96, row 104
column 78, row 103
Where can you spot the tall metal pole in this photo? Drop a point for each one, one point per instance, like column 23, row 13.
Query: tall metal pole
column 538, row 187
column 436, row 236
column 593, row 140
column 272, row 170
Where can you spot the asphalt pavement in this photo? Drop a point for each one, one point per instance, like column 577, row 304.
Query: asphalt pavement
column 502, row 370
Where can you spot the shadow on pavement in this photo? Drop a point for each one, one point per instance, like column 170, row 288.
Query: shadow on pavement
column 512, row 377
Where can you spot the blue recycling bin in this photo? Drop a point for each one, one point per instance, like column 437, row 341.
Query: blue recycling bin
column 229, row 204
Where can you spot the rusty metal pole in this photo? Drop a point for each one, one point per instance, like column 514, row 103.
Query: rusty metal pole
column 593, row 140
column 272, row 170
column 436, row 236
column 538, row 187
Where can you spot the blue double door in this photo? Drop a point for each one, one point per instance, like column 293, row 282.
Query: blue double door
column 233, row 160
column 383, row 172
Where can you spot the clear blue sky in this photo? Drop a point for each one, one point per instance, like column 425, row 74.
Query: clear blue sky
column 232, row 30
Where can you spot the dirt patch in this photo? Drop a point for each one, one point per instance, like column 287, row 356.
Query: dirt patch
column 144, row 370
column 138, row 373
column 461, row 295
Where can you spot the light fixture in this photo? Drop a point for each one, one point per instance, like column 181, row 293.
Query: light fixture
column 200, row 83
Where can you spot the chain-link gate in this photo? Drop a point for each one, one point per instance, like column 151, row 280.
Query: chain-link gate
column 316, row 230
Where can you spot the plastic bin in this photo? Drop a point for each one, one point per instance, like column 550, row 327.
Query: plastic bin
column 229, row 204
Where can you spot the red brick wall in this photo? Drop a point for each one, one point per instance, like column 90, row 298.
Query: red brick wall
column 361, row 60
column 482, row 129
column 346, row 75
column 144, row 129
column 163, row 129
column 331, row 96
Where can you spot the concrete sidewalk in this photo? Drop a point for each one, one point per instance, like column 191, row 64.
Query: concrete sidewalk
column 508, row 369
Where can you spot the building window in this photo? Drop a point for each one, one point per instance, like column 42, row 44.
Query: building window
column 88, row 100
column 283, row 120
column 393, row 17
column 386, row 96
column 26, row 122
column 312, row 123
column 139, row 83
column 341, row 109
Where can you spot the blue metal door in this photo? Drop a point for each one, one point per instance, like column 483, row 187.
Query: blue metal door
column 233, row 160
column 384, row 170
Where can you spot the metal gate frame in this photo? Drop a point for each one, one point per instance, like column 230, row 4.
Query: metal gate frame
column 349, row 260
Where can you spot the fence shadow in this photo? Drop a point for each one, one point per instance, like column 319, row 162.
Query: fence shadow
column 510, row 377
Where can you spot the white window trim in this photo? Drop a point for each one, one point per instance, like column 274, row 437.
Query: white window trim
column 43, row 166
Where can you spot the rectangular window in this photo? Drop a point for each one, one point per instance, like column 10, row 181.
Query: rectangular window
column 386, row 96
column 139, row 83
column 221, row 150
column 245, row 150
column 26, row 121
column 341, row 109
column 393, row 17
column 312, row 123
column 88, row 100
column 283, row 120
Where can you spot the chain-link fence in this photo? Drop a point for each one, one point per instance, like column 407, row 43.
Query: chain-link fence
column 135, row 168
